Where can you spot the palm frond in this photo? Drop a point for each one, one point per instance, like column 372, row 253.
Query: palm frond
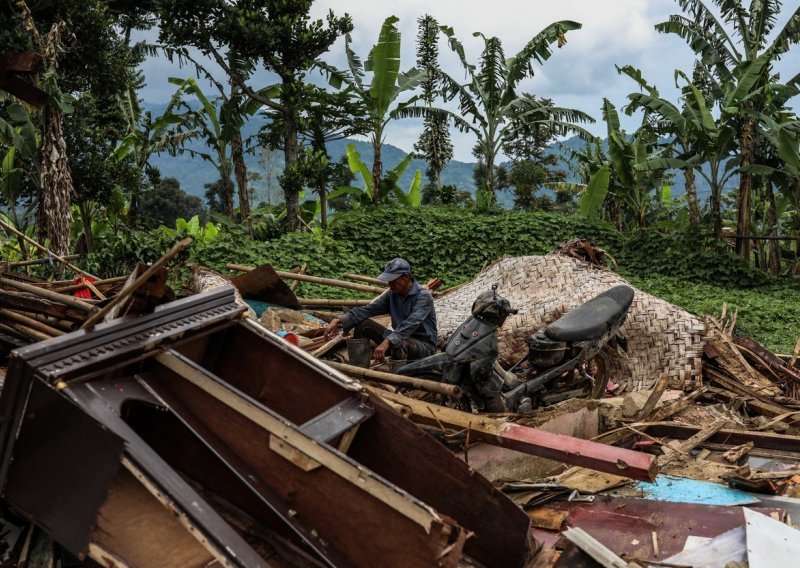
column 636, row 75
column 457, row 47
column 787, row 37
column 438, row 113
column 354, row 63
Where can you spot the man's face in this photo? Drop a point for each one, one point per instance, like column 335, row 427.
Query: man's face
column 401, row 285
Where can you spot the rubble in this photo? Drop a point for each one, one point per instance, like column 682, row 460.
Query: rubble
column 246, row 448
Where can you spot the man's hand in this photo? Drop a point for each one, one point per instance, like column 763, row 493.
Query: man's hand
column 380, row 350
column 333, row 327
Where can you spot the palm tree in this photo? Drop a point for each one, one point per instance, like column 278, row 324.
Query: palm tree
column 489, row 99
column 729, row 57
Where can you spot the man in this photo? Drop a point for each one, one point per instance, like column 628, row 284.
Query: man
column 413, row 334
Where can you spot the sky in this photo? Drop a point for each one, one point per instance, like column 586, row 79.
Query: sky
column 578, row 75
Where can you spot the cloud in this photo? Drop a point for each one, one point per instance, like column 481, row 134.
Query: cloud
column 579, row 75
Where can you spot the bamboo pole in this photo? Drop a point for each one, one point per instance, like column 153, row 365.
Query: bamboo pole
column 48, row 295
column 61, row 259
column 402, row 380
column 30, row 322
column 326, row 302
column 73, row 287
column 40, row 261
column 314, row 279
column 361, row 278
column 176, row 249
column 26, row 331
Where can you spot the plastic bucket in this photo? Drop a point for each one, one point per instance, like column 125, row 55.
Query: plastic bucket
column 395, row 364
column 359, row 352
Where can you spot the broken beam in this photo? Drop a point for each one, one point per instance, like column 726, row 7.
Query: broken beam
column 573, row 451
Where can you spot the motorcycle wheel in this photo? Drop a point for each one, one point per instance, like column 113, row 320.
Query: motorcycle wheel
column 601, row 365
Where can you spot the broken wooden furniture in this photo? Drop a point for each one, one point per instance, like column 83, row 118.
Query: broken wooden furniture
column 191, row 437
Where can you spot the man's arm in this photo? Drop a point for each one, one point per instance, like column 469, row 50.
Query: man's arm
column 378, row 307
column 422, row 309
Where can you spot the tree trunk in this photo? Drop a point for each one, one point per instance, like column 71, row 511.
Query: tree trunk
column 490, row 177
column 747, row 143
column 227, row 192
column 691, row 196
column 53, row 215
column 86, row 220
column 291, row 194
column 773, row 246
column 715, row 202
column 377, row 169
column 240, row 169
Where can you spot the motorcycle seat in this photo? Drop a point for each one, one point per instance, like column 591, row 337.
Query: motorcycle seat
column 594, row 318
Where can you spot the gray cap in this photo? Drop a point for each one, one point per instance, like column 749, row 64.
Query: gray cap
column 394, row 269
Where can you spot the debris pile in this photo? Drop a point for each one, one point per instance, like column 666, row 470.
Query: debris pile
column 224, row 428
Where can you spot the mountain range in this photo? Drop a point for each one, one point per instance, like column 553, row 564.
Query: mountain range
column 264, row 166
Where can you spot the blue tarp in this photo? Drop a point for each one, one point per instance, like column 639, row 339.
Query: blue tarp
column 680, row 490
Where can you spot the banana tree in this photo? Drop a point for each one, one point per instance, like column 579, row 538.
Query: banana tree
column 386, row 85
column 20, row 142
column 489, row 100
column 619, row 181
column 729, row 58
column 704, row 145
column 386, row 190
column 146, row 136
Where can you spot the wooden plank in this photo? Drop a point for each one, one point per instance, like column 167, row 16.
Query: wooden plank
column 264, row 284
column 129, row 289
column 772, row 361
column 655, row 396
column 22, row 89
column 574, row 451
column 594, row 548
column 762, row 440
column 22, row 302
column 684, row 447
column 327, row 302
column 618, row 435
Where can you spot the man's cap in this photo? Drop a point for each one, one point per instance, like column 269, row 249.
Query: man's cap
column 394, row 269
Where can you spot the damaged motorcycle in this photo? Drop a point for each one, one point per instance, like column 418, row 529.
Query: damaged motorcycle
column 568, row 358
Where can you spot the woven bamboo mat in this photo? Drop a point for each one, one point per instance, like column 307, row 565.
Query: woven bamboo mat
column 662, row 338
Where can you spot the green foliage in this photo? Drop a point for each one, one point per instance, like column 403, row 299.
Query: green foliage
column 169, row 202
column 693, row 255
column 453, row 244
column 388, row 188
column 120, row 254
column 192, row 228
column 323, row 256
